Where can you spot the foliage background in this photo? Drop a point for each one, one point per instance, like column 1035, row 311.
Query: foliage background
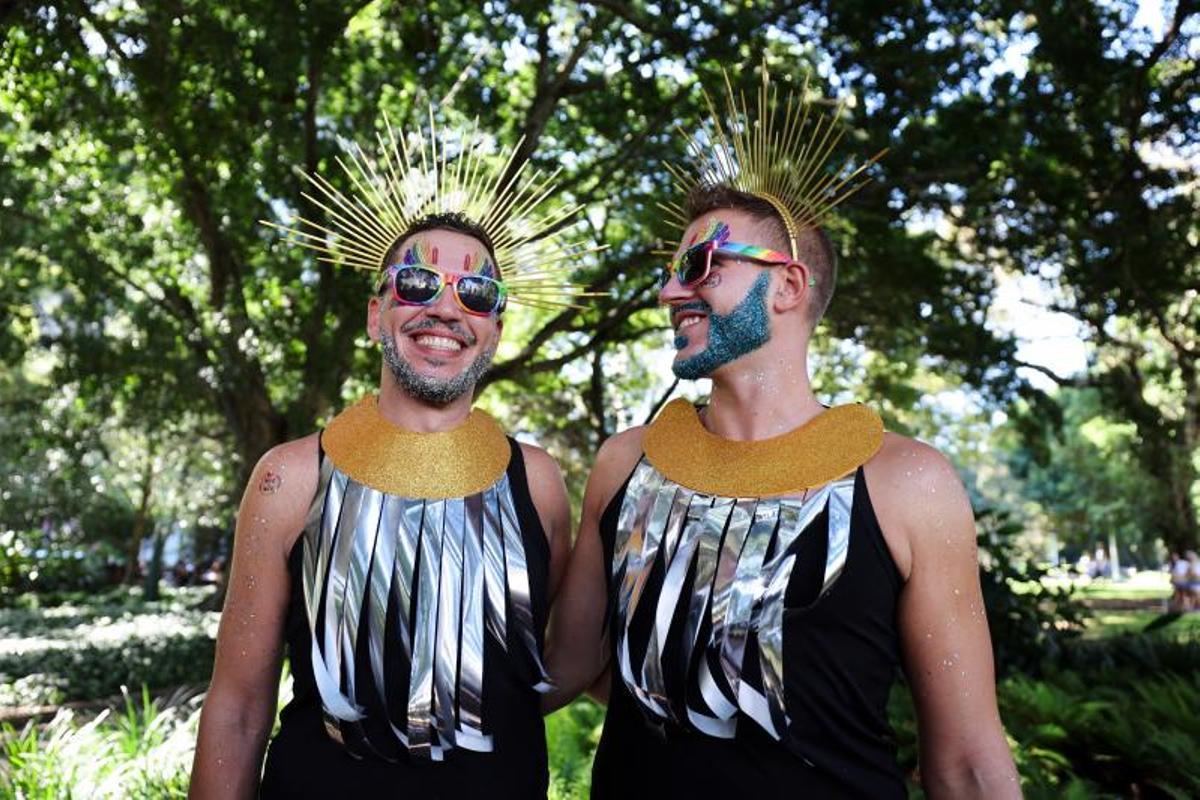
column 156, row 340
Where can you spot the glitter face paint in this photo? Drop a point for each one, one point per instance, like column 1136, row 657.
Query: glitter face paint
column 730, row 336
column 681, row 340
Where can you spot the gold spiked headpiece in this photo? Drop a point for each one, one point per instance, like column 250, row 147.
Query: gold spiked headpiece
column 444, row 172
column 778, row 155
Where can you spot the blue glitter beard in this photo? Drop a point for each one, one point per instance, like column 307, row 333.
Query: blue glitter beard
column 730, row 336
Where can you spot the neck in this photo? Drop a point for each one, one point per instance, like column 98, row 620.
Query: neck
column 405, row 411
column 762, row 398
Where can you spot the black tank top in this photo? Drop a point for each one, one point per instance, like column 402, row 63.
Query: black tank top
column 304, row 761
column 839, row 652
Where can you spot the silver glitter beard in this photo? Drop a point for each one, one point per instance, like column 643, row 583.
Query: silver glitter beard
column 434, row 391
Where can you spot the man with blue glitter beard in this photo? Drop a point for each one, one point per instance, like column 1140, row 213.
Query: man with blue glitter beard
column 750, row 575
column 405, row 555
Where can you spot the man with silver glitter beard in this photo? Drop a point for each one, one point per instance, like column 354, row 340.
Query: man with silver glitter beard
column 405, row 555
column 750, row 575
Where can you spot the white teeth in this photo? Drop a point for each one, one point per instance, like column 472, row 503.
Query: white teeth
column 688, row 322
column 439, row 343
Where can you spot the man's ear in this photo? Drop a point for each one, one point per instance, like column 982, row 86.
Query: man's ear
column 375, row 309
column 791, row 286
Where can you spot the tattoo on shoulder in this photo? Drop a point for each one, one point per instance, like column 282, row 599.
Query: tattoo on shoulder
column 270, row 482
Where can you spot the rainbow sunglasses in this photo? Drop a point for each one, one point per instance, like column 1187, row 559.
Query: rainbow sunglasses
column 422, row 284
column 694, row 264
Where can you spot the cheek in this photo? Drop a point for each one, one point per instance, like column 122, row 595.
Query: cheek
column 487, row 333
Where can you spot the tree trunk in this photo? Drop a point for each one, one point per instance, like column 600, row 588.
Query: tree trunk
column 139, row 521
column 150, row 585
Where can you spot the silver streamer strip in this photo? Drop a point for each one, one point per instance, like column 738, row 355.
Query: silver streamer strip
column 634, row 579
column 453, row 568
column 449, row 619
column 735, row 584
column 383, row 572
column 493, row 568
column 639, row 492
column 517, row 571
column 420, row 682
column 318, row 544
column 469, row 734
column 366, row 529
column 668, row 601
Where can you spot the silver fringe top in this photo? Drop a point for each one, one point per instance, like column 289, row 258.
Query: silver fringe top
column 454, row 568
column 725, row 541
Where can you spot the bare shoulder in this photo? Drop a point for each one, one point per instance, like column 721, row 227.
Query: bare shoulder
column 614, row 461
column 280, row 489
column 545, row 480
column 916, row 494
column 910, row 464
column 539, row 464
column 621, row 449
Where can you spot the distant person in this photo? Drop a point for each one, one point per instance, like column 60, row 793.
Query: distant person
column 1193, row 585
column 215, row 574
column 1179, row 569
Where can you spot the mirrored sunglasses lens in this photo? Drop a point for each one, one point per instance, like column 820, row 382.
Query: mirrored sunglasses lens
column 417, row 285
column 694, row 266
column 478, row 294
column 664, row 276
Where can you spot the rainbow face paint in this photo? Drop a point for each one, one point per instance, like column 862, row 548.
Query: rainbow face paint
column 419, row 252
column 694, row 265
column 730, row 336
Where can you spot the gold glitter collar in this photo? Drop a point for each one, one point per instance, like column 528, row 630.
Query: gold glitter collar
column 832, row 444
column 425, row 466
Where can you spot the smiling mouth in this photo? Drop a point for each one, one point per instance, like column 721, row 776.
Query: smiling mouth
column 685, row 321
column 442, row 344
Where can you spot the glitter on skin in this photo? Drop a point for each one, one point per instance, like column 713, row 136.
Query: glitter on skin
column 681, row 340
column 732, row 335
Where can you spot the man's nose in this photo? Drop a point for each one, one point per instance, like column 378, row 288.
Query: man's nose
column 446, row 306
column 674, row 292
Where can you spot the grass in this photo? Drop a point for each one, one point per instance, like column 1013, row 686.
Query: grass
column 1149, row 585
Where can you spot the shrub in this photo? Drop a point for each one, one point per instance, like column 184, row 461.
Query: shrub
column 29, row 564
column 74, row 652
column 1144, row 653
column 572, row 734
column 1030, row 621
column 143, row 750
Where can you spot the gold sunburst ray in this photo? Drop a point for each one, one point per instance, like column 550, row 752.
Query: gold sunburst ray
column 780, row 153
column 419, row 173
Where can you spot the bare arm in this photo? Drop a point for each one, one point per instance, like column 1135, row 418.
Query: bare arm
column 928, row 522
column 240, row 705
column 576, row 653
column 549, row 494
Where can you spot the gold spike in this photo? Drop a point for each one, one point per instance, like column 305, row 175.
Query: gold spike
column 405, row 182
column 779, row 154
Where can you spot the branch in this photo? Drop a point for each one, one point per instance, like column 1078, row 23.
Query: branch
column 548, row 91
column 558, row 362
column 524, row 363
column 1076, row 381
column 660, row 402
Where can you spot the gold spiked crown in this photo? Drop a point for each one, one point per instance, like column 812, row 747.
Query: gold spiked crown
column 446, row 171
column 779, row 155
